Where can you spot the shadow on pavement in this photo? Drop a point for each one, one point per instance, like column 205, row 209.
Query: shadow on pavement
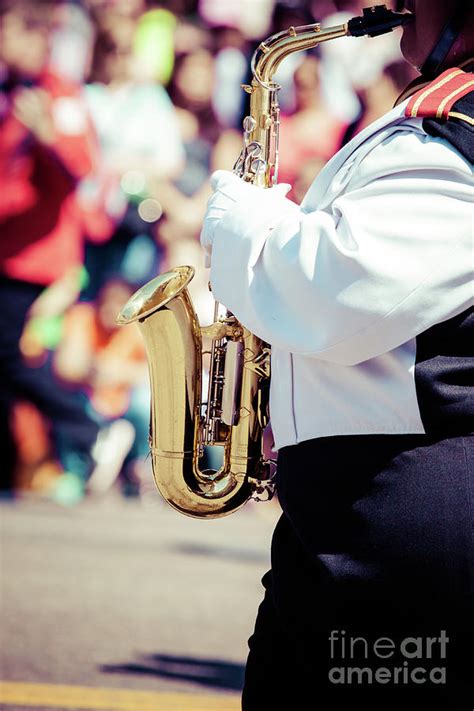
column 213, row 673
column 229, row 553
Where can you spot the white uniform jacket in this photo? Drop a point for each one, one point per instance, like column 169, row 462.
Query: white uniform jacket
column 344, row 286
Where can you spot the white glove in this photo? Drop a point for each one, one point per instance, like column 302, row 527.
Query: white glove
column 229, row 189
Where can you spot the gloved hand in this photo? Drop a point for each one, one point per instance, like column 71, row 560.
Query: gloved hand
column 228, row 190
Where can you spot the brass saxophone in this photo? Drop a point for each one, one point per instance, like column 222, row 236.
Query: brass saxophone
column 235, row 414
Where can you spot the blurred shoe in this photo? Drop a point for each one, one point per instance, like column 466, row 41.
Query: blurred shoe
column 110, row 451
column 68, row 489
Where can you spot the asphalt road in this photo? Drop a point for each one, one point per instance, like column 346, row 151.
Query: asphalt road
column 112, row 594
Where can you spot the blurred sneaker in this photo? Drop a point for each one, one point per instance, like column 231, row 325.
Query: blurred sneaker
column 68, row 490
column 110, row 451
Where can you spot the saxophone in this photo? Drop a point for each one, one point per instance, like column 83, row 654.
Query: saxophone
column 235, row 414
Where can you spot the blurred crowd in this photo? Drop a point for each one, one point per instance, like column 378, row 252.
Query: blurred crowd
column 113, row 114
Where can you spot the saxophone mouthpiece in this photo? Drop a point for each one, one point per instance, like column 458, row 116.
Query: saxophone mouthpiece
column 377, row 20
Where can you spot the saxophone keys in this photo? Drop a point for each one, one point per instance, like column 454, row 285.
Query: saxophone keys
column 219, row 330
column 249, row 123
column 263, row 492
column 254, row 150
column 258, row 166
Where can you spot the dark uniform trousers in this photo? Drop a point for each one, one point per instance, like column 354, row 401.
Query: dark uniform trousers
column 371, row 558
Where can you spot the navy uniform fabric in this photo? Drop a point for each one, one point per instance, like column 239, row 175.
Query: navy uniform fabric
column 444, row 376
column 376, row 541
column 458, row 132
column 444, row 368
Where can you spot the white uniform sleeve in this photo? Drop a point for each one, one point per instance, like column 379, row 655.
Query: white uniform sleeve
column 390, row 257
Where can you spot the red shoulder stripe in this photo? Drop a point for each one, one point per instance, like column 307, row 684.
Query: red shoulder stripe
column 437, row 99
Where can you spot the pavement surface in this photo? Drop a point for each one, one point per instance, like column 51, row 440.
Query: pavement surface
column 122, row 604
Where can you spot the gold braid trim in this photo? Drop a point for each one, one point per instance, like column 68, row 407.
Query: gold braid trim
column 421, row 83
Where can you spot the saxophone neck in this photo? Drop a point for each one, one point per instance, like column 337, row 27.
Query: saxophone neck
column 258, row 161
column 375, row 20
column 271, row 53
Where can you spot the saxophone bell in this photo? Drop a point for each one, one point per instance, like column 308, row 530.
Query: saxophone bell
column 179, row 429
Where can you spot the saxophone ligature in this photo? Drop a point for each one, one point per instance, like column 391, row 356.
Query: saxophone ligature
column 235, row 414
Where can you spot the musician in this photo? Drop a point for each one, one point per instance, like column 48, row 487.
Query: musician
column 365, row 294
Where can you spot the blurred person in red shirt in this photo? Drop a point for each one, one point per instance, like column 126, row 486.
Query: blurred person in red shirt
column 46, row 146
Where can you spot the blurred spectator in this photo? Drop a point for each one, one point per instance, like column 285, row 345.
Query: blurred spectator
column 380, row 96
column 101, row 9
column 208, row 147
column 135, row 119
column 192, row 89
column 154, row 46
column 141, row 145
column 232, row 63
column 107, row 363
column 290, row 13
column 312, row 131
column 191, row 35
column 184, row 199
column 252, row 17
column 207, row 144
column 71, row 41
column 46, row 146
column 350, row 65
